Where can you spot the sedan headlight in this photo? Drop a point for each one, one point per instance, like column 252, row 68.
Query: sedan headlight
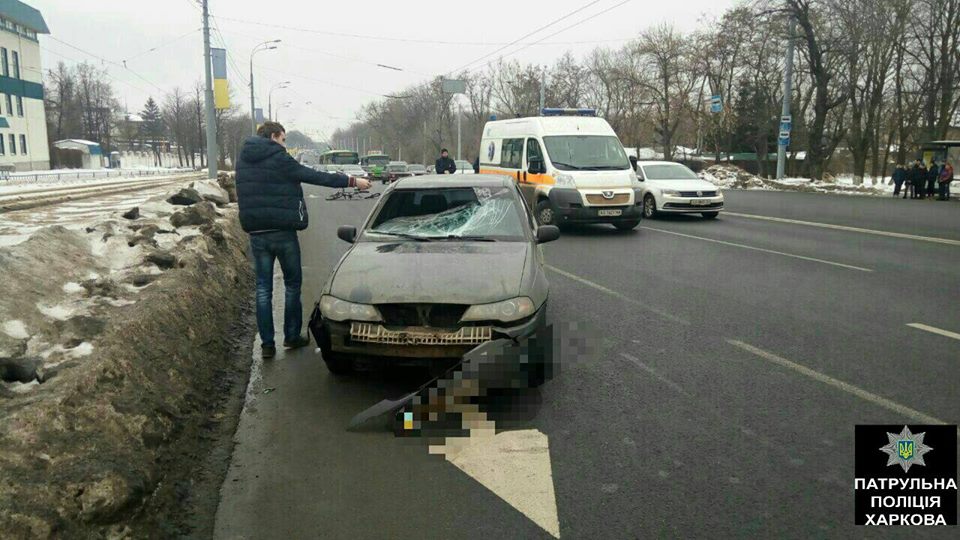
column 505, row 311
column 719, row 192
column 565, row 180
column 670, row 192
column 339, row 310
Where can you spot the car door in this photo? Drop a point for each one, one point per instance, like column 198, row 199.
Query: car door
column 529, row 182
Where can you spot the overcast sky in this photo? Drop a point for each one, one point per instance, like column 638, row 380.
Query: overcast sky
column 336, row 73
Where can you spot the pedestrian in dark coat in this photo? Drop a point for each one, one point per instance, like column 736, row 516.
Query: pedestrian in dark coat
column 272, row 210
column 899, row 177
column 933, row 174
column 946, row 176
column 445, row 165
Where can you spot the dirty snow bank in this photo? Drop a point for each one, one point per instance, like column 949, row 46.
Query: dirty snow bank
column 112, row 339
column 730, row 176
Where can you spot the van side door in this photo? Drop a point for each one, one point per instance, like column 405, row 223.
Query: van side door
column 529, row 182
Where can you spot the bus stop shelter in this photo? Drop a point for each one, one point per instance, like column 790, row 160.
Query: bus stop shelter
column 941, row 151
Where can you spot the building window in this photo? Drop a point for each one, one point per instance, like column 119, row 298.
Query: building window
column 13, row 144
column 23, row 144
column 16, row 65
column 20, row 106
column 9, row 105
column 3, row 147
column 4, row 62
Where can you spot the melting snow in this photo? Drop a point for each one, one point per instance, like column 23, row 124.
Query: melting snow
column 16, row 329
column 72, row 288
column 59, row 312
column 22, row 388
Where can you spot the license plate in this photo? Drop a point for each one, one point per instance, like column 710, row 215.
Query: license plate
column 609, row 212
column 699, row 202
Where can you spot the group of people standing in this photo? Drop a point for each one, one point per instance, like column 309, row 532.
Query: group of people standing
column 920, row 182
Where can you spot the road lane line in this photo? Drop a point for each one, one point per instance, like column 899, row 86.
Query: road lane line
column 933, row 239
column 840, row 385
column 614, row 293
column 754, row 248
column 935, row 330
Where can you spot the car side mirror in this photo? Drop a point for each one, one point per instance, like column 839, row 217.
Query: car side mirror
column 547, row 233
column 347, row 233
column 536, row 166
column 633, row 162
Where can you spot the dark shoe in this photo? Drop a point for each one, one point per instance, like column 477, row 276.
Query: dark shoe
column 268, row 351
column 297, row 342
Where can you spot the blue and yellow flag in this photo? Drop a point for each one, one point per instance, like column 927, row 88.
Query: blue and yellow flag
column 221, row 94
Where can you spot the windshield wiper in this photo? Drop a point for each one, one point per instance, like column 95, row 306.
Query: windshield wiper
column 404, row 235
column 606, row 168
column 569, row 166
column 458, row 237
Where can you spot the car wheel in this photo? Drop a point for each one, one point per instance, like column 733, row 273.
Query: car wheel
column 649, row 206
column 545, row 213
column 626, row 225
column 710, row 215
column 338, row 363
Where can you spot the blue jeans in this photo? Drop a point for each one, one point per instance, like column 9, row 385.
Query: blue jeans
column 282, row 246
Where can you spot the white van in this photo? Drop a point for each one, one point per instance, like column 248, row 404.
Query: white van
column 570, row 167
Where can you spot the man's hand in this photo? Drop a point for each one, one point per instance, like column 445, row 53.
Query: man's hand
column 361, row 183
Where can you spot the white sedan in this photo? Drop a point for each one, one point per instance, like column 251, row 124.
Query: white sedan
column 668, row 187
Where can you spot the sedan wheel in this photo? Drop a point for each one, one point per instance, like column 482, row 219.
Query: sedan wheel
column 649, row 206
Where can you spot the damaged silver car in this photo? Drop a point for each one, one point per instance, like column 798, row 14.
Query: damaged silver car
column 441, row 265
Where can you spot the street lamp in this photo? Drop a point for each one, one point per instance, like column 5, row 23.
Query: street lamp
column 282, row 105
column 277, row 86
column 265, row 46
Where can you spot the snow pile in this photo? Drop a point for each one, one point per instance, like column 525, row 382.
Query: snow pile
column 733, row 177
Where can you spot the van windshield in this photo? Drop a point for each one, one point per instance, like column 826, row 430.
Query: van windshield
column 586, row 153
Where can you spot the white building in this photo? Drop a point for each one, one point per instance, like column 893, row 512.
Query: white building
column 23, row 125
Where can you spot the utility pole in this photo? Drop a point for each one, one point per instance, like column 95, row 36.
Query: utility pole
column 211, row 114
column 543, row 89
column 787, row 91
column 459, row 116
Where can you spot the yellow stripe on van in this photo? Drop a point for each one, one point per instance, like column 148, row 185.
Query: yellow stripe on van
column 542, row 179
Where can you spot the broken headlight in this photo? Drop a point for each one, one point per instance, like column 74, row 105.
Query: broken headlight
column 505, row 311
column 339, row 310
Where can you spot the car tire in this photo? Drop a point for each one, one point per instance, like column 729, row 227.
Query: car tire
column 545, row 213
column 710, row 215
column 649, row 206
column 338, row 363
column 626, row 225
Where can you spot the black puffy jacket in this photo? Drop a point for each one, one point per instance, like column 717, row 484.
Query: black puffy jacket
column 268, row 187
column 445, row 165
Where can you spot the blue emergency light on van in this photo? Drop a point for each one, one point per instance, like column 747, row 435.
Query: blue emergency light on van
column 559, row 111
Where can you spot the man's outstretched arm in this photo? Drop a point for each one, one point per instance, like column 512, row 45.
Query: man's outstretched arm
column 302, row 173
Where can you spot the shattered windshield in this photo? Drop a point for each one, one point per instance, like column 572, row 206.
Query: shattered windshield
column 476, row 213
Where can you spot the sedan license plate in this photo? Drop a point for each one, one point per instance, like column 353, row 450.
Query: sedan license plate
column 609, row 212
column 699, row 202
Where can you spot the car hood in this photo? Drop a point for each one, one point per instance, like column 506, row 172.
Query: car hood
column 431, row 272
column 683, row 185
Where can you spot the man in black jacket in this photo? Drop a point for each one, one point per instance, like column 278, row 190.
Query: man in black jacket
column 272, row 210
column 445, row 165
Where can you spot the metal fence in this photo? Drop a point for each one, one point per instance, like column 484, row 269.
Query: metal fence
column 41, row 176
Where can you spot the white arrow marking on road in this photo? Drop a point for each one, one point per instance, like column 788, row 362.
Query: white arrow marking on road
column 515, row 466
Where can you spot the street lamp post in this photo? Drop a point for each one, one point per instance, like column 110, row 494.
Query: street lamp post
column 265, row 46
column 282, row 105
column 277, row 86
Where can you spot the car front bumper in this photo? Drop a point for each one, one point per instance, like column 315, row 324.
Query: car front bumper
column 340, row 337
column 681, row 205
column 568, row 206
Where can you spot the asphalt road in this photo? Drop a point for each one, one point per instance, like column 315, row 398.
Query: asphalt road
column 731, row 361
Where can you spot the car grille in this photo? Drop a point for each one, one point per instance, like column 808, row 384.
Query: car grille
column 688, row 205
column 376, row 333
column 435, row 315
column 619, row 198
column 698, row 193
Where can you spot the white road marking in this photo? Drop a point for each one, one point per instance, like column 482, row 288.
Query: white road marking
column 846, row 387
column 616, row 294
column 754, row 248
column 515, row 466
column 935, row 330
column 947, row 241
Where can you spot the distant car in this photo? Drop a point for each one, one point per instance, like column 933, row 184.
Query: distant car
column 353, row 170
column 416, row 170
column 668, row 187
column 395, row 170
column 441, row 266
column 464, row 167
